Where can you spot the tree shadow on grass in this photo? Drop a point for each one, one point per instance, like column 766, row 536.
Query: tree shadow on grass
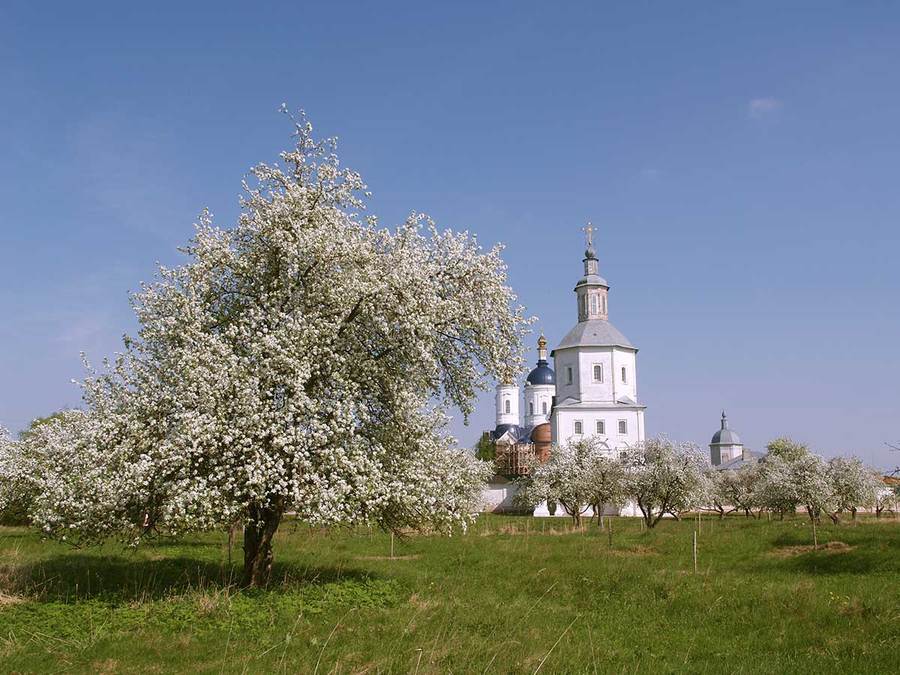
column 120, row 579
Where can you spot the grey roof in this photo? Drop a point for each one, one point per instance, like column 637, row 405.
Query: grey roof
column 542, row 374
column 570, row 403
column 725, row 437
column 594, row 333
column 746, row 459
column 592, row 280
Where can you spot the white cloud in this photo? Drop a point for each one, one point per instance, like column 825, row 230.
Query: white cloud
column 760, row 107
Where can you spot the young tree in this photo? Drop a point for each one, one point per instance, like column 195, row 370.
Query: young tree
column 606, row 480
column 564, row 478
column 665, row 477
column 717, row 493
column 852, row 485
column 301, row 362
column 739, row 489
column 886, row 496
column 792, row 476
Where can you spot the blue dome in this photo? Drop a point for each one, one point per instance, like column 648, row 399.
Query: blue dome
column 543, row 374
column 517, row 432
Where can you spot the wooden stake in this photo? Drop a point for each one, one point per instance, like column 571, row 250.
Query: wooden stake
column 695, row 552
column 392, row 545
column 815, row 536
column 609, row 530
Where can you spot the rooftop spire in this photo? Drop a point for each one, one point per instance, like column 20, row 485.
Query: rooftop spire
column 542, row 349
column 724, row 420
column 589, row 229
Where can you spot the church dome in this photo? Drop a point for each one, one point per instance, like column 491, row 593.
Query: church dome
column 725, row 436
column 515, row 431
column 594, row 333
column 542, row 433
column 542, row 374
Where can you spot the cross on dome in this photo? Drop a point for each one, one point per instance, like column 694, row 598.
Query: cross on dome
column 589, row 230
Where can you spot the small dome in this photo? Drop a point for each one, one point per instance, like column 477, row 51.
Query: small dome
column 542, row 374
column 517, row 432
column 725, row 436
column 542, row 433
column 590, row 253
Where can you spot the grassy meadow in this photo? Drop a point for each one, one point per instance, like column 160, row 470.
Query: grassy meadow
column 515, row 594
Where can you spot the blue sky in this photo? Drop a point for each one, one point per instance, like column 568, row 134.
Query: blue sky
column 741, row 164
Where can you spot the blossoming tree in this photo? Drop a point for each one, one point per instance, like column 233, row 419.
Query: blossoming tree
column 665, row 477
column 853, row 486
column 565, row 478
column 301, row 361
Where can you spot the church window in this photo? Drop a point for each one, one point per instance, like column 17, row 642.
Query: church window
column 579, row 428
column 568, row 375
column 598, row 372
column 506, row 407
column 601, row 427
column 623, row 427
column 544, row 407
column 531, row 408
column 624, row 376
column 593, row 304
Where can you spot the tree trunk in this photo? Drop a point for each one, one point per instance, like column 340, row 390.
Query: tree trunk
column 259, row 531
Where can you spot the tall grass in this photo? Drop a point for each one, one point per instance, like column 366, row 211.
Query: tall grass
column 514, row 594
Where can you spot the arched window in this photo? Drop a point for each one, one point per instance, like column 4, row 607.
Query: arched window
column 624, row 376
column 506, row 406
column 531, row 408
column 601, row 427
column 598, row 372
column 578, row 428
column 544, row 407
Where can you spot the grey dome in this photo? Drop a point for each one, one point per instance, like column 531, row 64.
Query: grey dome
column 542, row 374
column 725, row 436
column 594, row 333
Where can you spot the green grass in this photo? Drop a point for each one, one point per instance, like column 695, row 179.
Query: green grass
column 510, row 596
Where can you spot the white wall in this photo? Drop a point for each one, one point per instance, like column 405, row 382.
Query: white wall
column 565, row 418
column 507, row 393
column 538, row 395
column 584, row 388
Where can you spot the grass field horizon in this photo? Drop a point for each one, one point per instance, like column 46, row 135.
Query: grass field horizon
column 514, row 594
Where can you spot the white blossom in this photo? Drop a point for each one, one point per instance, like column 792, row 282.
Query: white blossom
column 300, row 361
column 665, row 477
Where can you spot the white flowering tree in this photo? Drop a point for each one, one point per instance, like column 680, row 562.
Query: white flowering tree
column 565, row 478
column 607, row 482
column 717, row 494
column 739, row 489
column 853, row 486
column 792, row 476
column 665, row 477
column 300, row 361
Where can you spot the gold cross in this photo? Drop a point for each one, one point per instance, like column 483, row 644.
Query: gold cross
column 589, row 231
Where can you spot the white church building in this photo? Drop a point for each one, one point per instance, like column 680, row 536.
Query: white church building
column 590, row 391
